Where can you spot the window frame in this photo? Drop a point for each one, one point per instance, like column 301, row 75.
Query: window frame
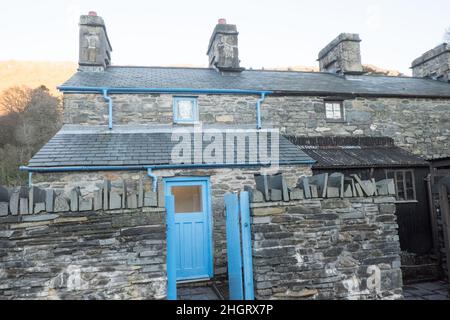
column 195, row 115
column 405, row 192
column 341, row 108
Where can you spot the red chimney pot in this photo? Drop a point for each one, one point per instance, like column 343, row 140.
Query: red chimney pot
column 92, row 13
column 222, row 21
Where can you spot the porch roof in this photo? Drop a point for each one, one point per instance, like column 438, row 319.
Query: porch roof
column 137, row 145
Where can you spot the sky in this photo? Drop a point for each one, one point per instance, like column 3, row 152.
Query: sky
column 271, row 33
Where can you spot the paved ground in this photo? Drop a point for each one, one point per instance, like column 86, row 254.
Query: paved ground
column 426, row 291
column 420, row 291
column 197, row 293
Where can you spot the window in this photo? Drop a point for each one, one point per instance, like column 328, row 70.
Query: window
column 185, row 110
column 334, row 111
column 187, row 199
column 404, row 184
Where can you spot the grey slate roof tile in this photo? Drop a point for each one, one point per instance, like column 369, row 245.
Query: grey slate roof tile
column 278, row 81
column 356, row 152
column 81, row 149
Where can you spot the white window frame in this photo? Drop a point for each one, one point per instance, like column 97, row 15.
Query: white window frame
column 191, row 120
column 337, row 109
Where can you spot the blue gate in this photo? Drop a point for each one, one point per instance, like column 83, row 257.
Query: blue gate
column 239, row 246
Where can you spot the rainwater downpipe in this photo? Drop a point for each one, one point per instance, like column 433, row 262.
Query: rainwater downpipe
column 154, row 179
column 110, row 108
column 258, row 110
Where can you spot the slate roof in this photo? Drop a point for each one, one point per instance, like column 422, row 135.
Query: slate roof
column 310, row 83
column 93, row 147
column 354, row 152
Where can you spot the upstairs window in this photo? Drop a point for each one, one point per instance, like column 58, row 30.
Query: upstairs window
column 185, row 110
column 404, row 184
column 334, row 111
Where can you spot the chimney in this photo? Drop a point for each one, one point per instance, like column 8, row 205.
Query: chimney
column 342, row 55
column 95, row 48
column 223, row 50
column 434, row 64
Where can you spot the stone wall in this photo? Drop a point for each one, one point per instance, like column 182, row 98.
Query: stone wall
column 84, row 255
column 326, row 249
column 418, row 125
column 222, row 181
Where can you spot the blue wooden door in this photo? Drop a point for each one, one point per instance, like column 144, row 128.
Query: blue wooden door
column 239, row 246
column 192, row 229
column 235, row 281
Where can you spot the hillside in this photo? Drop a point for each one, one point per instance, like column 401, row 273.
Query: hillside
column 35, row 73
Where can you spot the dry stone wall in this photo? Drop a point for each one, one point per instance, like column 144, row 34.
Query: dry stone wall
column 418, row 125
column 106, row 254
column 326, row 249
column 221, row 180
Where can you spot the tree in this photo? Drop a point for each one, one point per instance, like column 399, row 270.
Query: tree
column 33, row 118
column 15, row 99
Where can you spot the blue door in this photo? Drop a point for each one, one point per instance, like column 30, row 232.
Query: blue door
column 191, row 214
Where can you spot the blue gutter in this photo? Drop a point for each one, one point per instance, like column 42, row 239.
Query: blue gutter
column 106, row 90
column 160, row 90
column 151, row 168
column 110, row 108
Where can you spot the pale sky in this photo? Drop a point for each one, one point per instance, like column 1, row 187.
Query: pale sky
column 272, row 33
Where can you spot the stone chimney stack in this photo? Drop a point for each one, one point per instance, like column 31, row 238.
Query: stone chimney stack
column 95, row 48
column 433, row 64
column 223, row 50
column 342, row 55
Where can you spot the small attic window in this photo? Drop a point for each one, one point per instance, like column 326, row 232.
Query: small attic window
column 185, row 110
column 334, row 111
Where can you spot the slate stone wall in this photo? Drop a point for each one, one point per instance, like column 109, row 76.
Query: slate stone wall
column 418, row 125
column 222, row 181
column 84, row 255
column 326, row 249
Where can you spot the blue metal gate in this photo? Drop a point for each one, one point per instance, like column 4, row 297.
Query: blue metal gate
column 239, row 246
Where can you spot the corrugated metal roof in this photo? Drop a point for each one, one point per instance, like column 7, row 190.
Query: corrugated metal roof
column 310, row 83
column 345, row 152
column 89, row 147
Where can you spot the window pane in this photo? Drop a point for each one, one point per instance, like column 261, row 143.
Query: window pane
column 408, row 179
column 329, row 110
column 409, row 185
column 185, row 110
column 400, row 186
column 333, row 111
column 187, row 199
column 337, row 111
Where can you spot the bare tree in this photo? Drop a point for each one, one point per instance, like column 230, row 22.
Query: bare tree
column 33, row 118
column 15, row 99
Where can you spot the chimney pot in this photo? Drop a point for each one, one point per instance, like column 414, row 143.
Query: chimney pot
column 222, row 21
column 92, row 13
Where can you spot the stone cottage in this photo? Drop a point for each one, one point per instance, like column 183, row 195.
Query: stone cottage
column 120, row 123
